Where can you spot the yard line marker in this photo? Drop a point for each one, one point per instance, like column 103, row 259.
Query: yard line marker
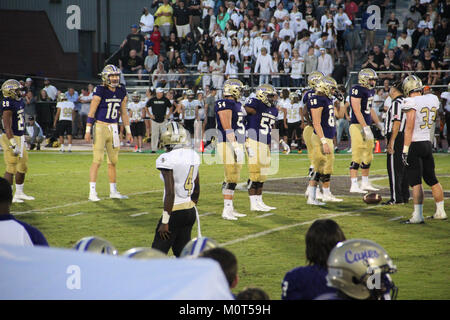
column 396, row 218
column 75, row 214
column 206, row 214
column 269, row 231
column 139, row 214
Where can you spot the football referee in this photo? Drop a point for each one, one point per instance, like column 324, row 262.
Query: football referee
column 395, row 125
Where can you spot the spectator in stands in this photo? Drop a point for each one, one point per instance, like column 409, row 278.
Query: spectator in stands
column 50, row 89
column 286, row 69
column 227, row 261
column 340, row 24
column 73, row 97
column 378, row 56
column 325, row 63
column 30, row 104
column 147, row 21
column 418, row 32
column 427, row 22
column 343, row 124
column 155, row 38
column 210, row 113
column 352, row 43
column 85, row 99
column 232, row 67
column 44, row 111
column 249, row 293
column 298, row 69
column 222, row 17
column 133, row 64
column 12, row 231
column 264, row 66
column 351, row 8
column 203, row 68
column 393, row 24
column 150, row 62
column 34, row 135
column 217, row 68
column 413, row 15
column 29, row 86
column 158, row 109
column 386, row 68
column 172, row 45
column 182, row 19
column 189, row 50
column 370, row 63
column 164, row 19
column 195, row 8
column 441, row 33
column 429, row 64
column 133, row 41
column 147, row 44
column 389, row 42
column 276, row 82
column 395, row 62
column 424, row 39
column 403, row 39
column 159, row 77
column 308, row 282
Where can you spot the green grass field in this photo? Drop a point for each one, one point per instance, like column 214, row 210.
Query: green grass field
column 266, row 247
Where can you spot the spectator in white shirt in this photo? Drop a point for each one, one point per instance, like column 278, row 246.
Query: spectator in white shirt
column 325, row 63
column 280, row 13
column 264, row 66
column 147, row 21
column 299, row 24
column 50, row 89
column 404, row 39
column 304, row 43
column 298, row 68
column 285, row 45
column 287, row 31
column 232, row 68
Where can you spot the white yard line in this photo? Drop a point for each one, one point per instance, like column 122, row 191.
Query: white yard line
column 138, row 214
column 265, row 215
column 75, row 214
column 289, row 226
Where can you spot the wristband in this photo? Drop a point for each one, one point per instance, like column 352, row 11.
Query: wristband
column 13, row 142
column 228, row 131
column 90, row 120
column 165, row 218
column 88, row 129
column 127, row 129
column 405, row 149
column 323, row 140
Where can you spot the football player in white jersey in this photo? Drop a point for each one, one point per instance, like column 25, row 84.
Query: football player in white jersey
column 421, row 111
column 65, row 113
column 293, row 120
column 189, row 107
column 136, row 111
column 179, row 171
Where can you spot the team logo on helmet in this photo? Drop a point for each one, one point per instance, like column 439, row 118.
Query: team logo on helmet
column 313, row 78
column 365, row 76
column 196, row 246
column 412, row 84
column 108, row 71
column 266, row 93
column 12, row 89
column 96, row 245
column 360, row 269
column 233, row 88
column 327, row 86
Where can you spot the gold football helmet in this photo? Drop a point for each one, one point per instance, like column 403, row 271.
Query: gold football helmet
column 190, row 94
column 360, row 268
column 108, row 71
column 293, row 96
column 12, row 89
column 266, row 93
column 144, row 253
column 173, row 134
column 411, row 84
column 365, row 76
column 327, row 86
column 196, row 246
column 95, row 245
column 136, row 97
column 313, row 78
column 62, row 97
column 233, row 88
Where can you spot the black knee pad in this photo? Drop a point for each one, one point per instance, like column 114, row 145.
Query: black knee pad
column 229, row 186
column 354, row 166
column 253, row 185
column 315, row 176
column 325, row 178
column 365, row 166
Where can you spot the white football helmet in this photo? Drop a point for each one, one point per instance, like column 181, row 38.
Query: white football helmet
column 196, row 246
column 144, row 253
column 95, row 245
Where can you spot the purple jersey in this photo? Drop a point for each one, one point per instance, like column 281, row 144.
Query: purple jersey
column 259, row 125
column 108, row 109
column 237, row 119
column 308, row 94
column 366, row 96
column 305, row 283
column 18, row 114
column 327, row 120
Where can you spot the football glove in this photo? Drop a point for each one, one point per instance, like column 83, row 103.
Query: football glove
column 250, row 151
column 368, row 133
column 15, row 147
column 380, row 126
column 238, row 152
column 285, row 148
column 405, row 159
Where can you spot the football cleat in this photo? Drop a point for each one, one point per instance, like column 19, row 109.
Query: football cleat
column 117, row 195
column 441, row 215
column 315, row 202
column 238, row 215
column 17, row 200
column 227, row 214
column 319, row 194
column 356, row 189
column 262, row 204
column 93, row 197
column 413, row 220
column 330, row 198
column 23, row 196
column 257, row 207
column 368, row 187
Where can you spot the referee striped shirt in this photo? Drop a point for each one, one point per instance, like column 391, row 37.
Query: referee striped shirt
column 395, row 114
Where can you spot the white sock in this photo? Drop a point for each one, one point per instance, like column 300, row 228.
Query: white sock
column 92, row 187
column 354, row 181
column 440, row 206
column 253, row 200
column 19, row 188
column 228, row 203
column 365, row 179
column 326, row 191
column 312, row 193
column 62, row 146
column 112, row 188
column 418, row 212
column 259, row 198
column 70, row 147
